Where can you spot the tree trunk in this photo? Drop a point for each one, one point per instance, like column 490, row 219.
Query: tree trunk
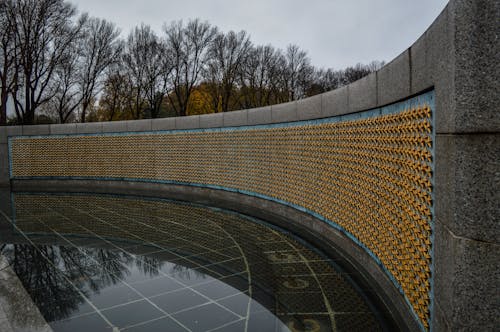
column 3, row 108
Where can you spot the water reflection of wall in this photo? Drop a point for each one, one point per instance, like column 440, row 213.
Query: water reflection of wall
column 286, row 276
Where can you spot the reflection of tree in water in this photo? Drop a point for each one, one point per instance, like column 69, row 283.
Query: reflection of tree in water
column 106, row 268
column 149, row 266
column 51, row 293
column 187, row 273
column 45, row 270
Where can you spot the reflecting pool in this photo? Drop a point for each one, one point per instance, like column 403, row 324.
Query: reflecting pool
column 116, row 263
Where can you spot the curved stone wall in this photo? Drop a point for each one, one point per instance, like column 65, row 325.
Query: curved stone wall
column 297, row 164
column 369, row 174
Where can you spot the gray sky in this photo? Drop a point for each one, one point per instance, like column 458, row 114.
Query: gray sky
column 335, row 33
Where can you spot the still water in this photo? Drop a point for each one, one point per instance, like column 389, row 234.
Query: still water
column 114, row 263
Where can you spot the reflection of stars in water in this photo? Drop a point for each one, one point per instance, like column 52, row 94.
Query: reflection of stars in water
column 280, row 257
column 309, row 325
column 296, row 283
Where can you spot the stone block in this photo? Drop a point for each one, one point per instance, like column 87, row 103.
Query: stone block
column 309, row 108
column 433, row 65
column 363, row 93
column 114, row 126
column 466, row 277
column 431, row 55
column 476, row 61
column 139, row 125
column 36, row 130
column 260, row 115
column 89, row 128
column 63, row 128
column 235, row 118
column 187, row 122
column 6, row 131
column 466, row 185
column 335, row 102
column 214, row 120
column 458, row 56
column 286, row 112
column 393, row 80
column 163, row 124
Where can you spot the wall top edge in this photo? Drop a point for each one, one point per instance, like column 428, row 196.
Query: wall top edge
column 421, row 100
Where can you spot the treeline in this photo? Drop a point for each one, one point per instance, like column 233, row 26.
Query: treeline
column 58, row 66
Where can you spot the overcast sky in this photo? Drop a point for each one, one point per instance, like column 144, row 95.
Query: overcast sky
column 335, row 33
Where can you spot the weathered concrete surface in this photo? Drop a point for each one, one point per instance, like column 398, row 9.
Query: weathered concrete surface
column 163, row 124
column 36, row 130
column 88, row 128
column 257, row 116
column 393, row 80
column 236, row 118
column 363, row 93
column 285, row 112
column 65, row 128
column 466, row 185
column 139, row 125
column 466, row 275
column 309, row 108
column 212, row 120
column 187, row 122
column 335, row 102
column 17, row 310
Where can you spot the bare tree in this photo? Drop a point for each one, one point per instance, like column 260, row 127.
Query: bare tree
column 297, row 74
column 258, row 79
column 329, row 79
column 7, row 58
column 43, row 31
column 142, row 59
column 189, row 46
column 67, row 97
column 99, row 48
column 352, row 74
column 326, row 80
column 117, row 95
column 227, row 55
column 156, row 83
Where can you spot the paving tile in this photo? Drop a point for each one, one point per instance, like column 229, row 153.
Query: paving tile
column 216, row 289
column 205, row 318
column 92, row 322
column 156, row 286
column 159, row 325
column 238, row 325
column 265, row 321
column 190, row 277
column 178, row 300
column 113, row 296
column 238, row 303
column 133, row 313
